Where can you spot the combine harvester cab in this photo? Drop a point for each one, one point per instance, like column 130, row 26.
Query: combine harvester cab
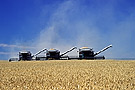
column 53, row 54
column 25, row 56
column 88, row 53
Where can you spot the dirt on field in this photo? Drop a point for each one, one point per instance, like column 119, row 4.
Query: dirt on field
column 68, row 75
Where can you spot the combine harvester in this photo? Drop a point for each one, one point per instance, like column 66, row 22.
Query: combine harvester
column 88, row 53
column 54, row 54
column 26, row 56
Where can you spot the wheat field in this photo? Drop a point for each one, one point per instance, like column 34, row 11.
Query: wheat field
column 68, row 75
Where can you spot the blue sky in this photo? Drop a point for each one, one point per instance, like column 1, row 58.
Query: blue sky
column 65, row 23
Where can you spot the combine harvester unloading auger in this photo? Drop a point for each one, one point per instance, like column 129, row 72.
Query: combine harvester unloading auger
column 54, row 54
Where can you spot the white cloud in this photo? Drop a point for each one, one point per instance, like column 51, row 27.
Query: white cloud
column 14, row 46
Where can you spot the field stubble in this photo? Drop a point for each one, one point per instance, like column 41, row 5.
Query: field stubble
column 70, row 75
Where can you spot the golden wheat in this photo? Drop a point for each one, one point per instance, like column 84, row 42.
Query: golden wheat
column 67, row 75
